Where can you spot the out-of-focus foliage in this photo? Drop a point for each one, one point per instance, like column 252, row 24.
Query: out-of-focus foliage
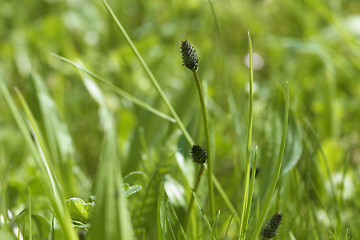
column 312, row 44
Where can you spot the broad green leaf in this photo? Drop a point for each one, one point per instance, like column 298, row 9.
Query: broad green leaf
column 79, row 209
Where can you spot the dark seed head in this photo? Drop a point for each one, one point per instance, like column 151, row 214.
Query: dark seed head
column 198, row 154
column 272, row 226
column 190, row 59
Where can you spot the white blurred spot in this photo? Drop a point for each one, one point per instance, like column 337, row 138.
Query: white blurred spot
column 175, row 191
column 323, row 217
column 348, row 187
column 258, row 61
column 91, row 37
column 255, row 87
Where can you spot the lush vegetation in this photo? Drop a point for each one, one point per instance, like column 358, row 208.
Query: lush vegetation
column 98, row 117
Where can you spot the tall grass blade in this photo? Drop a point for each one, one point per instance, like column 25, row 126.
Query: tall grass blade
column 57, row 137
column 205, row 218
column 161, row 217
column 228, row 227
column 265, row 204
column 160, row 92
column 117, row 90
column 111, row 219
column 251, row 190
column 149, row 73
column 214, row 226
column 29, row 216
column 245, row 201
column 41, row 156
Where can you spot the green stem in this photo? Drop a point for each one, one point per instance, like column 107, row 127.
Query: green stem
column 168, row 104
column 244, row 220
column 188, row 213
column 30, row 224
column 208, row 145
column 149, row 73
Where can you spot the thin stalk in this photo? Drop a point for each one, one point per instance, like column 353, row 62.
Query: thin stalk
column 150, row 75
column 251, row 189
column 243, row 223
column 165, row 100
column 4, row 196
column 38, row 150
column 222, row 194
column 30, row 224
column 208, row 145
column 117, row 90
column 188, row 213
column 271, row 189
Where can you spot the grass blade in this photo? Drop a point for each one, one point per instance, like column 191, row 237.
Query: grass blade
column 149, row 73
column 170, row 226
column 216, row 221
column 111, row 219
column 30, row 224
column 228, row 227
column 41, row 159
column 55, row 133
column 271, row 189
column 162, row 95
column 117, row 90
column 245, row 203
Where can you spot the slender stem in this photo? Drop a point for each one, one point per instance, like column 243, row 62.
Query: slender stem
column 208, row 147
column 149, row 73
column 188, row 213
column 30, row 225
column 117, row 90
column 243, row 223
column 251, row 189
column 251, row 80
column 168, row 104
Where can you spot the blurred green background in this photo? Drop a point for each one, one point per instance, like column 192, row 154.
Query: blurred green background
column 312, row 44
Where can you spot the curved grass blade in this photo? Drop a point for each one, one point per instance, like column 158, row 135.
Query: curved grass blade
column 111, row 219
column 216, row 221
column 29, row 216
column 118, row 90
column 228, row 227
column 57, row 136
column 149, row 73
column 245, row 202
column 163, row 97
column 205, row 218
column 251, row 189
column 39, row 152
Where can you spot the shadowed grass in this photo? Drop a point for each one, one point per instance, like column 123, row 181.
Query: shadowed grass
column 266, row 202
column 41, row 158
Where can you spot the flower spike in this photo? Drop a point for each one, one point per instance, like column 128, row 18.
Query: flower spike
column 190, row 59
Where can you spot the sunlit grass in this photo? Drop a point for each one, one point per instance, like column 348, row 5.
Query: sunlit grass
column 90, row 157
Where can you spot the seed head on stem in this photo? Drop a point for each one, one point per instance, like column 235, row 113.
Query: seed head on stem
column 189, row 56
column 271, row 228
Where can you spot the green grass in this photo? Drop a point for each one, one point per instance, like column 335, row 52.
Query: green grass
column 97, row 118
